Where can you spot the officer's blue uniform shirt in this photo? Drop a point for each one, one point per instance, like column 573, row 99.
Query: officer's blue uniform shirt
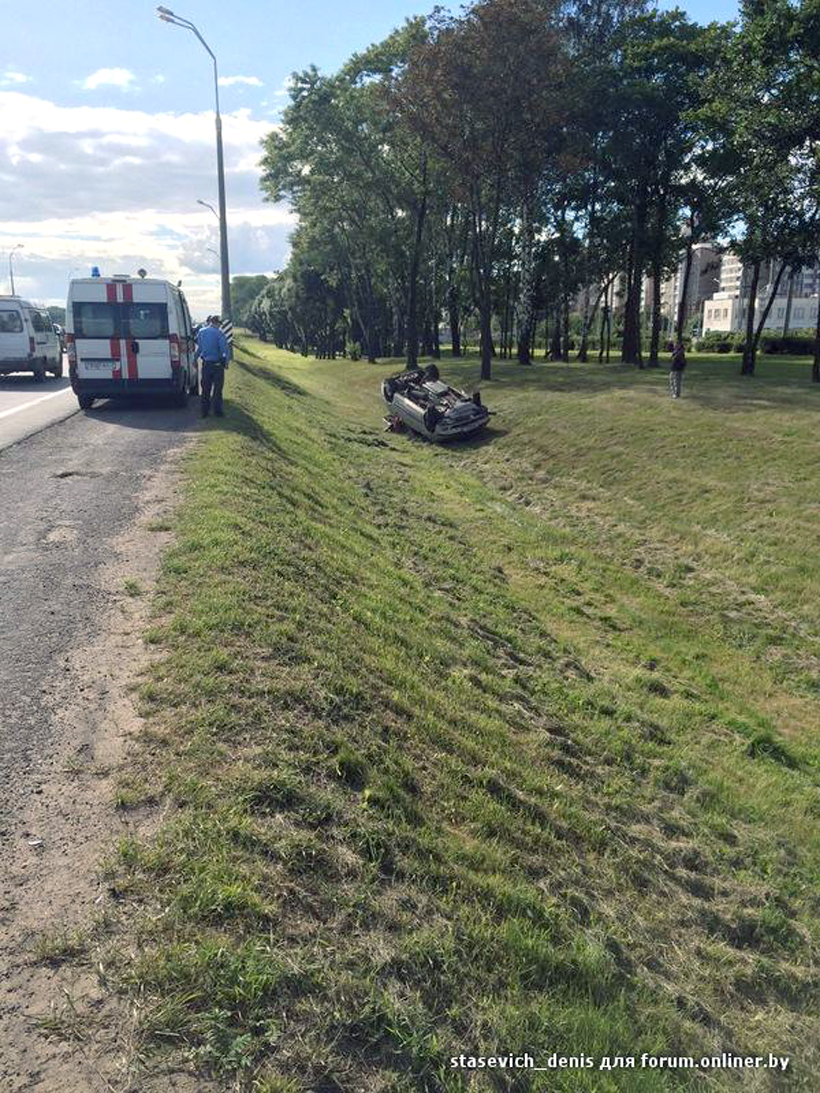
column 211, row 344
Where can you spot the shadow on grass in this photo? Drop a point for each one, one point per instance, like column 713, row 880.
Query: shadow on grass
column 238, row 420
column 274, row 379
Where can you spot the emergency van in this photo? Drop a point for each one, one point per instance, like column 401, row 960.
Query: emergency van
column 128, row 336
column 27, row 341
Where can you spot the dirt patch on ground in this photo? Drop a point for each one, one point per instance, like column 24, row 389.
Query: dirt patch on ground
column 53, row 887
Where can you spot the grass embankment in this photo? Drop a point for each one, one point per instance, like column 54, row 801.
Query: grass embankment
column 502, row 747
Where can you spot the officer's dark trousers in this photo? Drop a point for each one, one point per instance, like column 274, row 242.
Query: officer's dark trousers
column 213, row 379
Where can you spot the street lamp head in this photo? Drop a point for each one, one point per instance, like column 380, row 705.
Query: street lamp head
column 164, row 11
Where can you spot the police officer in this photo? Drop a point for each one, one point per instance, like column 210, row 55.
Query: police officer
column 212, row 347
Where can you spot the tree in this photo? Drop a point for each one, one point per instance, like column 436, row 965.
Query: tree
column 244, row 291
column 762, row 135
column 457, row 94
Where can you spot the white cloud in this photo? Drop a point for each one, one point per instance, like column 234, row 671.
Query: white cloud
column 109, row 77
column 14, row 78
column 230, row 81
column 159, row 78
column 117, row 188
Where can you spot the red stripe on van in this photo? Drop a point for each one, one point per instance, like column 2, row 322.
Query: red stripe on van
column 131, row 358
column 127, row 294
column 111, row 293
column 116, row 365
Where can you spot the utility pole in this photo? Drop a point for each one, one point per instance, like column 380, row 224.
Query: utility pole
column 167, row 16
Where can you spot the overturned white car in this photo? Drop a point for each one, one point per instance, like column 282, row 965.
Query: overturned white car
column 419, row 400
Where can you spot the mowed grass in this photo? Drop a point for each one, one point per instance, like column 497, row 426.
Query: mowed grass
column 502, row 747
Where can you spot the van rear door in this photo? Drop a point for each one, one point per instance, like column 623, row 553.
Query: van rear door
column 146, row 331
column 14, row 337
column 97, row 332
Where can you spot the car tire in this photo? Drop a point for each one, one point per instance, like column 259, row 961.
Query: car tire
column 40, row 371
column 85, row 401
column 181, row 396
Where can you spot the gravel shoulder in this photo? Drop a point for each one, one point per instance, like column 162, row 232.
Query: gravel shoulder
column 86, row 510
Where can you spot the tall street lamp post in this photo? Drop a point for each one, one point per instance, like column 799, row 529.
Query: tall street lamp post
column 168, row 16
column 11, row 268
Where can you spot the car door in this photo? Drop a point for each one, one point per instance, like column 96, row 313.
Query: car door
column 43, row 336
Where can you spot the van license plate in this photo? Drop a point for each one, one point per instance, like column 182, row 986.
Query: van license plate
column 96, row 366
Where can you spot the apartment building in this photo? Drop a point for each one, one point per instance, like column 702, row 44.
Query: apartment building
column 728, row 312
column 726, row 308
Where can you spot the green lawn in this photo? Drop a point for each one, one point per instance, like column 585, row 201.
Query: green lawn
column 487, row 748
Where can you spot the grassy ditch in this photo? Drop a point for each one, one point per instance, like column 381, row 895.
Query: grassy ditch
column 500, row 748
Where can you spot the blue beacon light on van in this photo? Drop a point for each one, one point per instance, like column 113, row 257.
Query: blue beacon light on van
column 95, row 271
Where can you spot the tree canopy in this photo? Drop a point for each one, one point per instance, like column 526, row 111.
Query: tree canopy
column 493, row 171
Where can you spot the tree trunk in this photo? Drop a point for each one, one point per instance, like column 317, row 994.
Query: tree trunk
column 747, row 367
column 586, row 322
column 455, row 320
column 762, row 324
column 631, row 345
column 684, row 292
column 565, row 339
column 790, row 293
column 412, row 328
column 655, row 336
column 526, row 291
column 555, row 343
column 486, row 331
column 815, row 366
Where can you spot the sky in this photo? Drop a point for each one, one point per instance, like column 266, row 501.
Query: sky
column 107, row 131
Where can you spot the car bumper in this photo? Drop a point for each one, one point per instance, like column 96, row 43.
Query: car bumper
column 23, row 364
column 102, row 388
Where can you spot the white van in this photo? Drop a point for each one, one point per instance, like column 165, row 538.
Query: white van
column 27, row 341
column 129, row 336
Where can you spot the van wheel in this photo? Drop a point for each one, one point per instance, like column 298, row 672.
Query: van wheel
column 40, row 373
column 57, row 371
column 85, row 401
column 181, row 396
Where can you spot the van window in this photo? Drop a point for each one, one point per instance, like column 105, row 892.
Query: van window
column 96, row 320
column 37, row 322
column 11, row 322
column 147, row 320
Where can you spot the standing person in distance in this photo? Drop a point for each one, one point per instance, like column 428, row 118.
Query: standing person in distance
column 212, row 347
column 676, row 368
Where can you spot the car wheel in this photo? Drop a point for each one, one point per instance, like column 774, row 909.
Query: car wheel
column 40, row 371
column 181, row 396
column 85, row 401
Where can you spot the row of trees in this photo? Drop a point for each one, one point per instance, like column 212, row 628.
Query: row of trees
column 503, row 164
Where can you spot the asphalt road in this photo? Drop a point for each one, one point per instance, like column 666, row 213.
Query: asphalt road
column 27, row 407
column 65, row 494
